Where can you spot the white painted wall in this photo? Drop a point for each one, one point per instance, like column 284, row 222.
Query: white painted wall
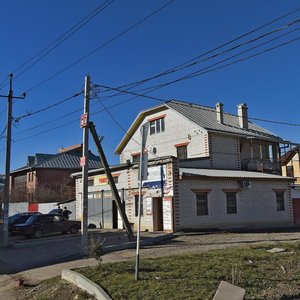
column 178, row 130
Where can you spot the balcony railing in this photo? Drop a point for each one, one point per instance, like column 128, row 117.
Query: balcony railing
column 261, row 165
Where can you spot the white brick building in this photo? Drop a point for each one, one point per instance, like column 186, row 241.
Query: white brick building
column 207, row 169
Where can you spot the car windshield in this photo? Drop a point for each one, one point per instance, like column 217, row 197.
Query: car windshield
column 32, row 219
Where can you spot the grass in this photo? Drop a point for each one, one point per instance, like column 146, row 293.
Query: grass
column 264, row 275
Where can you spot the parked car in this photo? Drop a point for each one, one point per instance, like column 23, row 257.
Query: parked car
column 39, row 225
column 19, row 218
column 55, row 211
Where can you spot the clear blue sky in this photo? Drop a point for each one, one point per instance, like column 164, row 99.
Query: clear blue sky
column 268, row 83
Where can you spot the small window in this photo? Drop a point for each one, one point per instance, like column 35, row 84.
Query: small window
column 231, row 203
column 136, row 158
column 202, row 204
column 90, row 182
column 289, row 171
column 157, row 126
column 136, row 199
column 116, row 179
column 182, row 152
column 280, row 200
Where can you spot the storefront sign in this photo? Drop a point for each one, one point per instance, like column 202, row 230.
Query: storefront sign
column 156, row 177
column 100, row 180
column 148, row 202
column 167, row 213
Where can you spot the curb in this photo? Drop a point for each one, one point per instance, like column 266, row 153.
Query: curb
column 146, row 242
column 85, row 284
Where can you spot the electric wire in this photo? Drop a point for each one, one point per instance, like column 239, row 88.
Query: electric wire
column 207, row 70
column 100, row 47
column 17, row 119
column 192, row 61
column 53, row 45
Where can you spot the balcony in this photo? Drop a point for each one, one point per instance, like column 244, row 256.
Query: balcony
column 261, row 165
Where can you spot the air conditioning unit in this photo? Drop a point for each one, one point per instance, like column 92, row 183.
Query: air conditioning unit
column 245, row 184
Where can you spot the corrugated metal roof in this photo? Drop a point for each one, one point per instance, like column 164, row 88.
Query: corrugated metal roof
column 230, row 174
column 206, row 117
column 68, row 160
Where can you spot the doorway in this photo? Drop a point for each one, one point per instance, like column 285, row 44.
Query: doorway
column 157, row 214
column 296, row 211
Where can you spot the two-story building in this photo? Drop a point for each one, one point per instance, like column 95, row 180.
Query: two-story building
column 46, row 177
column 291, row 168
column 207, row 169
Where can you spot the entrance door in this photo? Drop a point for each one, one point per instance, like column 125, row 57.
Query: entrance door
column 157, row 214
column 296, row 211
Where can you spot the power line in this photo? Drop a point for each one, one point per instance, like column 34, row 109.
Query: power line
column 101, row 46
column 207, row 70
column 174, row 69
column 137, row 83
column 48, row 49
column 17, row 119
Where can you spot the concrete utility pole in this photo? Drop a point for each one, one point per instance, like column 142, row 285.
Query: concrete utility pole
column 84, row 124
column 111, row 182
column 6, row 197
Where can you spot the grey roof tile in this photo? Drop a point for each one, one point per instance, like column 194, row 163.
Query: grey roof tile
column 206, row 117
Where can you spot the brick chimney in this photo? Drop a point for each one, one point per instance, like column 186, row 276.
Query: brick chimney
column 219, row 111
column 243, row 115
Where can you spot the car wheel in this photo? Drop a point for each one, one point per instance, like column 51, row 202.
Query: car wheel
column 38, row 233
column 74, row 229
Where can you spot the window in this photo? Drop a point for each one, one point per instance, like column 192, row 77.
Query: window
column 289, row 171
column 202, row 204
column 280, row 200
column 90, row 182
column 182, row 152
column 136, row 199
column 231, row 202
column 116, row 179
column 157, row 126
column 136, row 158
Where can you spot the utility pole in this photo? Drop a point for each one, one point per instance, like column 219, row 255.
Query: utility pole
column 84, row 124
column 6, row 197
column 111, row 182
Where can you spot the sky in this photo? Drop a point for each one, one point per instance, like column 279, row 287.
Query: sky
column 132, row 40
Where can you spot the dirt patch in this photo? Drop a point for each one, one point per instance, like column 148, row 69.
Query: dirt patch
column 50, row 289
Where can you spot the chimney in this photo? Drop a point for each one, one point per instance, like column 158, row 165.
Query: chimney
column 219, row 111
column 243, row 115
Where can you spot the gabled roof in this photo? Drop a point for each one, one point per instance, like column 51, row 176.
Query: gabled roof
column 205, row 117
column 285, row 159
column 66, row 160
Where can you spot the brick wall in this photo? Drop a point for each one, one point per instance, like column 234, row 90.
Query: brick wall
column 256, row 206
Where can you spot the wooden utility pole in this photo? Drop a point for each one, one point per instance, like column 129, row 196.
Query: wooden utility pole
column 111, row 182
column 84, row 124
column 6, row 197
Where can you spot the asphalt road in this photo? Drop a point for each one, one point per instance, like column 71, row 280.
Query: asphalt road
column 24, row 254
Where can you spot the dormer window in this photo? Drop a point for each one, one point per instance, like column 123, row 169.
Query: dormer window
column 157, row 125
